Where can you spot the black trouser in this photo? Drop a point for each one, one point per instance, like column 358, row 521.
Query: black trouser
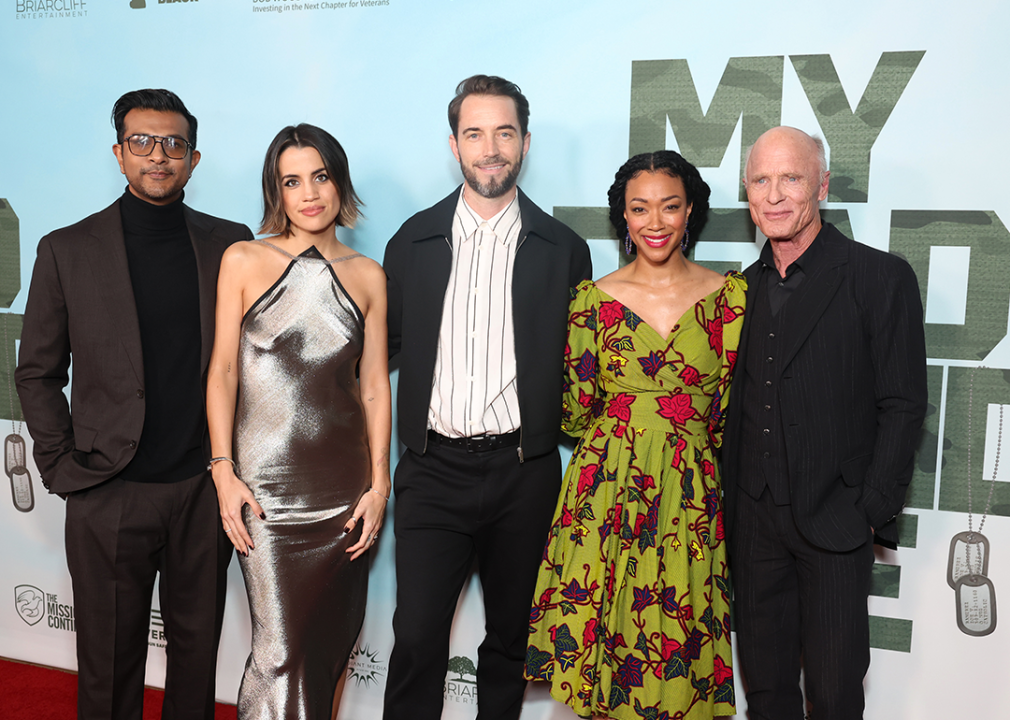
column 451, row 507
column 119, row 536
column 791, row 598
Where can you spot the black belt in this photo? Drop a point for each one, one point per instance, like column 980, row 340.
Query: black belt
column 480, row 443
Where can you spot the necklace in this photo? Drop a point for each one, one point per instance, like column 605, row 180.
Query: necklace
column 974, row 594
column 15, row 452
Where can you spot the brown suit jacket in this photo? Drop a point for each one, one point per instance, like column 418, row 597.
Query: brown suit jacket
column 81, row 306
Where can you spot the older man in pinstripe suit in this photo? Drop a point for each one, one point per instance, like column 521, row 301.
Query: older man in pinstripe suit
column 828, row 402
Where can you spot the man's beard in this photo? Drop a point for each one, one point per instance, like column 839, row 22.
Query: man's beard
column 159, row 191
column 493, row 188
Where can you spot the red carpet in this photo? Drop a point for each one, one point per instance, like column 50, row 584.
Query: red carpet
column 42, row 693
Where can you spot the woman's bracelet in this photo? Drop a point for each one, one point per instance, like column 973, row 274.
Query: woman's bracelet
column 221, row 459
column 384, row 497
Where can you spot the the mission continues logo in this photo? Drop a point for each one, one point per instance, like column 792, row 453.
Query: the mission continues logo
column 33, row 606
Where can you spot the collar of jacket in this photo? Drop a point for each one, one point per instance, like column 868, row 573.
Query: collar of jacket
column 438, row 222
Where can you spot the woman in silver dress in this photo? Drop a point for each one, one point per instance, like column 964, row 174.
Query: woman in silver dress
column 300, row 444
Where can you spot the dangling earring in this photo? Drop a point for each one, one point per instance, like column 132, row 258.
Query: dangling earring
column 683, row 242
column 627, row 242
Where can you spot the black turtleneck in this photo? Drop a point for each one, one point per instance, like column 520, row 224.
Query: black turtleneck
column 166, row 290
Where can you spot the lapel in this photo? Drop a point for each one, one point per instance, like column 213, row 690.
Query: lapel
column 208, row 262
column 106, row 256
column 434, row 243
column 815, row 293
column 525, row 299
column 432, row 252
column 435, row 268
column 751, row 274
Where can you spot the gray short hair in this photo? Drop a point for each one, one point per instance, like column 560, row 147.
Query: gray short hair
column 822, row 159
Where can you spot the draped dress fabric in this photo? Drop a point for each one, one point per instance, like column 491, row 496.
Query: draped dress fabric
column 631, row 615
column 301, row 446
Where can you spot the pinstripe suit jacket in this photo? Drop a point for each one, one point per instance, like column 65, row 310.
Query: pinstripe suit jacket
column 852, row 394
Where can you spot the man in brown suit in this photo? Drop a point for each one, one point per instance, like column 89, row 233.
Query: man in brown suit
column 128, row 294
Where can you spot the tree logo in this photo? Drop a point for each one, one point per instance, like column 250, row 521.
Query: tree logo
column 463, row 666
column 461, row 689
column 364, row 666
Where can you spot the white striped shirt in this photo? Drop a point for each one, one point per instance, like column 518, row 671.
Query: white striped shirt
column 474, row 389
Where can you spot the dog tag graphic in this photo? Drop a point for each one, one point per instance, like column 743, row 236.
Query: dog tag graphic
column 957, row 559
column 16, row 466
column 976, row 605
column 21, row 489
column 14, row 453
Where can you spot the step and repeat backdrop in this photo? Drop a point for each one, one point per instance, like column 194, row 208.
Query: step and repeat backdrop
column 910, row 98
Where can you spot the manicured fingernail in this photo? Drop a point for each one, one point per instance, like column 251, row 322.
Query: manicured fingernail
column 263, row 516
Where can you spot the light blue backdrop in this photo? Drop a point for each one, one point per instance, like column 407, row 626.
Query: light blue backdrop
column 379, row 76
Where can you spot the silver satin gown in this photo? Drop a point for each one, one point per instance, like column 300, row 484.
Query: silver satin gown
column 301, row 446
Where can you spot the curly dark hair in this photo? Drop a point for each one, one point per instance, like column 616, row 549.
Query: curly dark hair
column 674, row 165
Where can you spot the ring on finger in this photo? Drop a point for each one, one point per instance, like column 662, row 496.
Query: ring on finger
column 227, row 530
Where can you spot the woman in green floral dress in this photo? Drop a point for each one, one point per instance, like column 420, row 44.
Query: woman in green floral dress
column 631, row 616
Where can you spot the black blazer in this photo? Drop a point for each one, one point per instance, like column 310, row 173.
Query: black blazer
column 852, row 394
column 550, row 260
column 81, row 304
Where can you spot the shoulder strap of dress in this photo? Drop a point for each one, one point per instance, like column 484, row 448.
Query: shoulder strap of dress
column 271, row 245
column 334, row 261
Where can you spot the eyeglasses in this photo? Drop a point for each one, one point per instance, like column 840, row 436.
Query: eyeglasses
column 143, row 145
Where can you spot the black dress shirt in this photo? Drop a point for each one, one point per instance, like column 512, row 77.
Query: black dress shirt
column 763, row 449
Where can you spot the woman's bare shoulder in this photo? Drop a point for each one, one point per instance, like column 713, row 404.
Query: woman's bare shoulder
column 614, row 280
column 709, row 280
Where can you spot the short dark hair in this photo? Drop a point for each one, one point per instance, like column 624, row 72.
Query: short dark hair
column 489, row 85
column 151, row 99
column 275, row 220
column 674, row 165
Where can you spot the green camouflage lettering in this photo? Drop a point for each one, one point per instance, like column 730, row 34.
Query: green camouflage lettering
column 751, row 88
column 850, row 135
column 914, row 232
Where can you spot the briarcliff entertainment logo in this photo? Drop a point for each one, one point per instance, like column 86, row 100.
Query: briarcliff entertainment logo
column 49, row 9
column 459, row 689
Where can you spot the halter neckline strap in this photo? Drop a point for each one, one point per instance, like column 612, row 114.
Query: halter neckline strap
column 306, row 255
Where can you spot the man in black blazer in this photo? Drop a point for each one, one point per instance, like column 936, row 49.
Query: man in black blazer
column 478, row 289
column 828, row 400
column 128, row 294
